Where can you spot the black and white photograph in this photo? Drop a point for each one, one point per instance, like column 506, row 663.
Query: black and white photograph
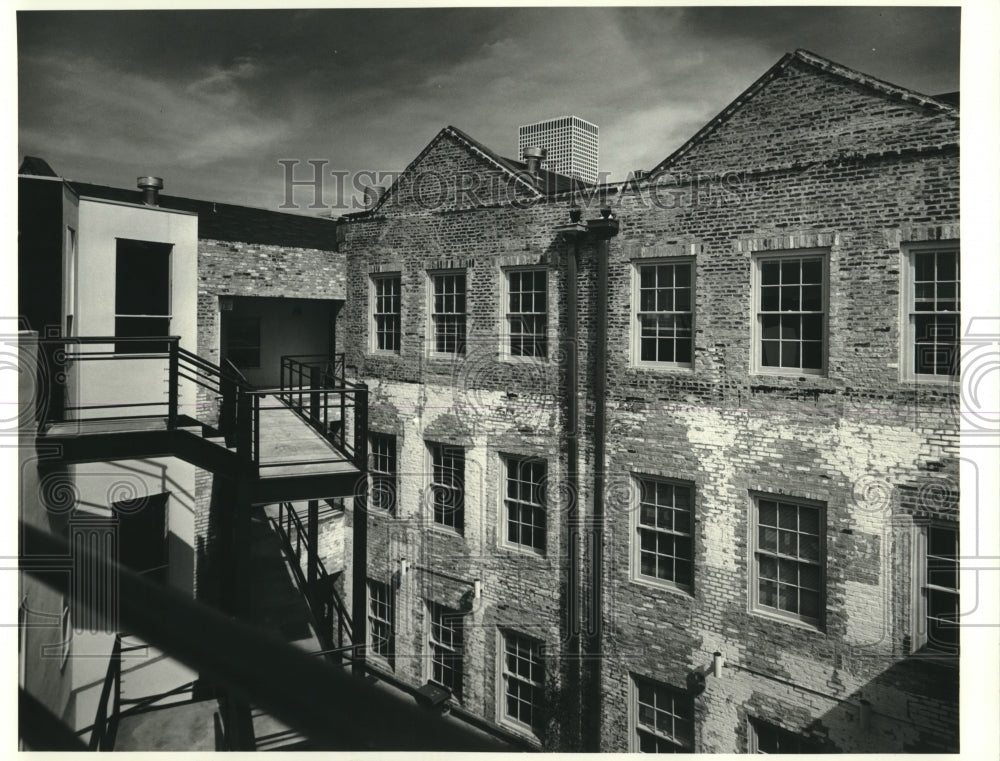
column 554, row 378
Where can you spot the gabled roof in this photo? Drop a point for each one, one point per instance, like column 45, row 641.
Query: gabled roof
column 36, row 166
column 545, row 183
column 218, row 221
column 942, row 105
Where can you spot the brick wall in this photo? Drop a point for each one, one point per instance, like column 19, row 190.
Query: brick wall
column 233, row 268
column 821, row 165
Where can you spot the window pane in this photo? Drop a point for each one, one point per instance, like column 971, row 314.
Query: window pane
column 142, row 278
column 770, row 299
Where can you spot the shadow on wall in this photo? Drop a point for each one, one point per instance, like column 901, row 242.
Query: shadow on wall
column 911, row 707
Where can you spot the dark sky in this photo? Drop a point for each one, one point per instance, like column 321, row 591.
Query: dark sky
column 211, row 100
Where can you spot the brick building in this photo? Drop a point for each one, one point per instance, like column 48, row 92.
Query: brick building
column 667, row 465
column 745, row 537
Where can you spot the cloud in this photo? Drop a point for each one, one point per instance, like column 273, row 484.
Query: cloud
column 99, row 112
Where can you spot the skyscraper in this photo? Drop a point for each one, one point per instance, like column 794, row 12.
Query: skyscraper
column 571, row 142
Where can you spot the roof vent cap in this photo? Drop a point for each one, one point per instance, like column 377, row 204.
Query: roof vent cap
column 150, row 187
column 534, row 157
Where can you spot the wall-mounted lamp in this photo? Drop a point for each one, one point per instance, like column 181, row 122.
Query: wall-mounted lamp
column 718, row 661
column 477, row 589
column 865, row 714
column 404, row 566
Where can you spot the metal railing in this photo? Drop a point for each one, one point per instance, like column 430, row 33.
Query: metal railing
column 336, row 408
column 314, row 386
column 334, row 623
column 105, row 729
column 334, row 710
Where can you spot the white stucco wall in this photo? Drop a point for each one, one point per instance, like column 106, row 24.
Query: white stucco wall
column 100, row 225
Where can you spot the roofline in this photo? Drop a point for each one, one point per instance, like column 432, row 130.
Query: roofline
column 888, row 88
column 113, row 202
column 471, row 145
column 566, row 116
column 818, row 62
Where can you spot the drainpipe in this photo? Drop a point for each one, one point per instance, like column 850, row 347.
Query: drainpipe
column 603, row 229
column 573, row 232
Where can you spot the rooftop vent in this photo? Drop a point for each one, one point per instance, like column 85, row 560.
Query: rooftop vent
column 534, row 157
column 150, row 187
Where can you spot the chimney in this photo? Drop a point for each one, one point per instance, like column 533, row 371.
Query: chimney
column 534, row 157
column 150, row 187
column 373, row 194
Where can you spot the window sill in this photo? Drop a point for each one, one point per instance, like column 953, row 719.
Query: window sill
column 521, row 731
column 778, row 372
column 515, row 360
column 663, row 586
column 521, row 550
column 936, row 658
column 663, row 367
column 437, row 528
column 946, row 382
column 788, row 619
column 382, row 354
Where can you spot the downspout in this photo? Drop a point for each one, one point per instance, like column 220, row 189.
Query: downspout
column 573, row 232
column 604, row 229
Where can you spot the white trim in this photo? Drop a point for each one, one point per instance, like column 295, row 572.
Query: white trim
column 550, row 337
column 503, row 542
column 512, row 724
column 906, row 295
column 633, row 711
column 635, row 574
column 635, row 341
column 430, row 327
column 372, row 325
column 753, row 591
column 387, row 661
column 757, row 258
column 918, row 619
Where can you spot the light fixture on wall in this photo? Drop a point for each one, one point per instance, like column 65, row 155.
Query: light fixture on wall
column 718, row 661
column 477, row 589
column 404, row 566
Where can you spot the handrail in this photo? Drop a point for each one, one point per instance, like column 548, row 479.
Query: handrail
column 324, row 581
column 105, row 729
column 333, row 709
column 329, row 396
column 231, row 366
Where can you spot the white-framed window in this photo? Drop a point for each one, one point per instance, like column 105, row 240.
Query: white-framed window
column 663, row 323
column 445, row 643
column 663, row 542
column 937, row 596
column 447, row 495
column 381, row 622
column 764, row 737
column 790, row 313
column 448, row 312
column 386, row 329
column 522, row 682
column 932, row 303
column 142, row 294
column 661, row 718
column 526, row 310
column 787, row 573
column 524, row 502
column 383, row 467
